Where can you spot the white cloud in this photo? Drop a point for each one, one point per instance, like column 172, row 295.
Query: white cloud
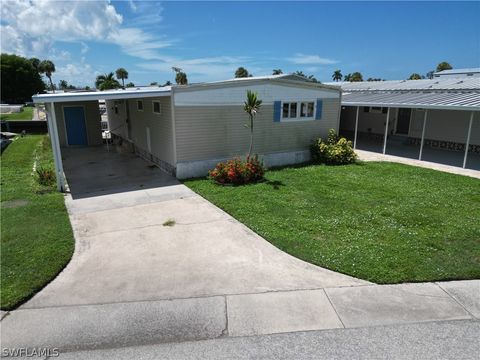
column 303, row 59
column 31, row 28
column 204, row 69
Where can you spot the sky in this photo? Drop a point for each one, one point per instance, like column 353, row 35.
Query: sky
column 210, row 40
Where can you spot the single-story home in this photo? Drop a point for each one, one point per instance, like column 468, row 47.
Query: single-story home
column 415, row 118
column 187, row 129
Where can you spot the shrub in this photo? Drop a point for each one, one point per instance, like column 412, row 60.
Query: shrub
column 334, row 151
column 238, row 172
column 45, row 176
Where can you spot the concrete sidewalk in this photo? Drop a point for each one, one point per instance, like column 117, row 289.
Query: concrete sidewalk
column 375, row 156
column 86, row 327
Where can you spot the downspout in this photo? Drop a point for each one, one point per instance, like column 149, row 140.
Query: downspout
column 174, row 136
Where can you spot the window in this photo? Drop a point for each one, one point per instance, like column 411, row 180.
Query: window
column 289, row 110
column 139, row 105
column 304, row 110
column 156, row 107
column 116, row 109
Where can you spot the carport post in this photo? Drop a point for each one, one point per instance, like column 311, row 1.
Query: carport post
column 467, row 144
column 423, row 134
column 386, row 132
column 356, row 129
column 57, row 156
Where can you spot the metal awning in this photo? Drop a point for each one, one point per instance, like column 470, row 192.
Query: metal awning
column 118, row 94
column 424, row 100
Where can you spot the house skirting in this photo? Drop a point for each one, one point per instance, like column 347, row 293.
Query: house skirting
column 193, row 169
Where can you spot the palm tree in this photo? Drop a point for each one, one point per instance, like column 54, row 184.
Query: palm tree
column 241, row 72
column 277, row 72
column 337, row 75
column 130, row 84
column 48, row 68
column 122, row 74
column 63, row 84
column 106, row 81
column 347, row 77
column 251, row 107
column 181, row 78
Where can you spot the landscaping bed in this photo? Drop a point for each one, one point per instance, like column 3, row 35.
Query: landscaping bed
column 382, row 222
column 36, row 236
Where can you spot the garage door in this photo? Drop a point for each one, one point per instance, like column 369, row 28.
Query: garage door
column 75, row 124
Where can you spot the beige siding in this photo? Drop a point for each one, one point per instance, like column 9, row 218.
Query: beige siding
column 159, row 126
column 213, row 132
column 92, row 118
column 373, row 121
column 117, row 122
column 447, row 125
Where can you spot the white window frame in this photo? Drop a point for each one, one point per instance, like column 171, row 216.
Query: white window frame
column 143, row 107
column 298, row 116
column 159, row 107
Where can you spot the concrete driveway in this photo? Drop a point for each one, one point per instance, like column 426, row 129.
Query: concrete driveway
column 125, row 253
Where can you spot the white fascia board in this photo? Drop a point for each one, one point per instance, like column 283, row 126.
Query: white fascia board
column 414, row 106
column 74, row 97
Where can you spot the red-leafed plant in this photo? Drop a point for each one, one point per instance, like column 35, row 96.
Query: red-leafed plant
column 238, row 171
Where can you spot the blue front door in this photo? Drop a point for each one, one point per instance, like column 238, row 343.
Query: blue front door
column 75, row 124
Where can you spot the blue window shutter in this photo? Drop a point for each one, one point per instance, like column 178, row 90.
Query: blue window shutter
column 318, row 115
column 276, row 110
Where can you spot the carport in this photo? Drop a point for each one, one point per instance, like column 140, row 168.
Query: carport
column 74, row 126
column 419, row 125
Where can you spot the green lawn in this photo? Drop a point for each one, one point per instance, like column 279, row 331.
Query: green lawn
column 26, row 114
column 36, row 236
column 382, row 222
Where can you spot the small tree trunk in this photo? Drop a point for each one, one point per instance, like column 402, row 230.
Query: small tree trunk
column 51, row 84
column 123, row 83
column 251, row 137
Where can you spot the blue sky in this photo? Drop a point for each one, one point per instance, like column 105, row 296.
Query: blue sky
column 209, row 40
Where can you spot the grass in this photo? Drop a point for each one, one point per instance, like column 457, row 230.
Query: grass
column 26, row 114
column 382, row 222
column 36, row 236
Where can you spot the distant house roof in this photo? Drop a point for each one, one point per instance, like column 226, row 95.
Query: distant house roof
column 463, row 71
column 437, row 84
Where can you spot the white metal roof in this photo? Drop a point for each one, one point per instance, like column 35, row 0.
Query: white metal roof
column 425, row 100
column 128, row 93
column 440, row 84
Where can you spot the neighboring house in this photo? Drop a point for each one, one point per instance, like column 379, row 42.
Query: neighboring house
column 471, row 72
column 187, row 129
column 443, row 113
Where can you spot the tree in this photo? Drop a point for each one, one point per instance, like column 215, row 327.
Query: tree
column 374, row 79
column 444, row 66
column 356, row 76
column 35, row 63
column 130, row 84
column 154, row 83
column 429, row 74
column 309, row 77
column 241, row 72
column 19, row 79
column 121, row 74
column 48, row 68
column 415, row 76
column 347, row 77
column 181, row 78
column 167, row 83
column 251, row 107
column 62, row 84
column 106, row 81
column 87, row 87
column 277, row 72
column 337, row 75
